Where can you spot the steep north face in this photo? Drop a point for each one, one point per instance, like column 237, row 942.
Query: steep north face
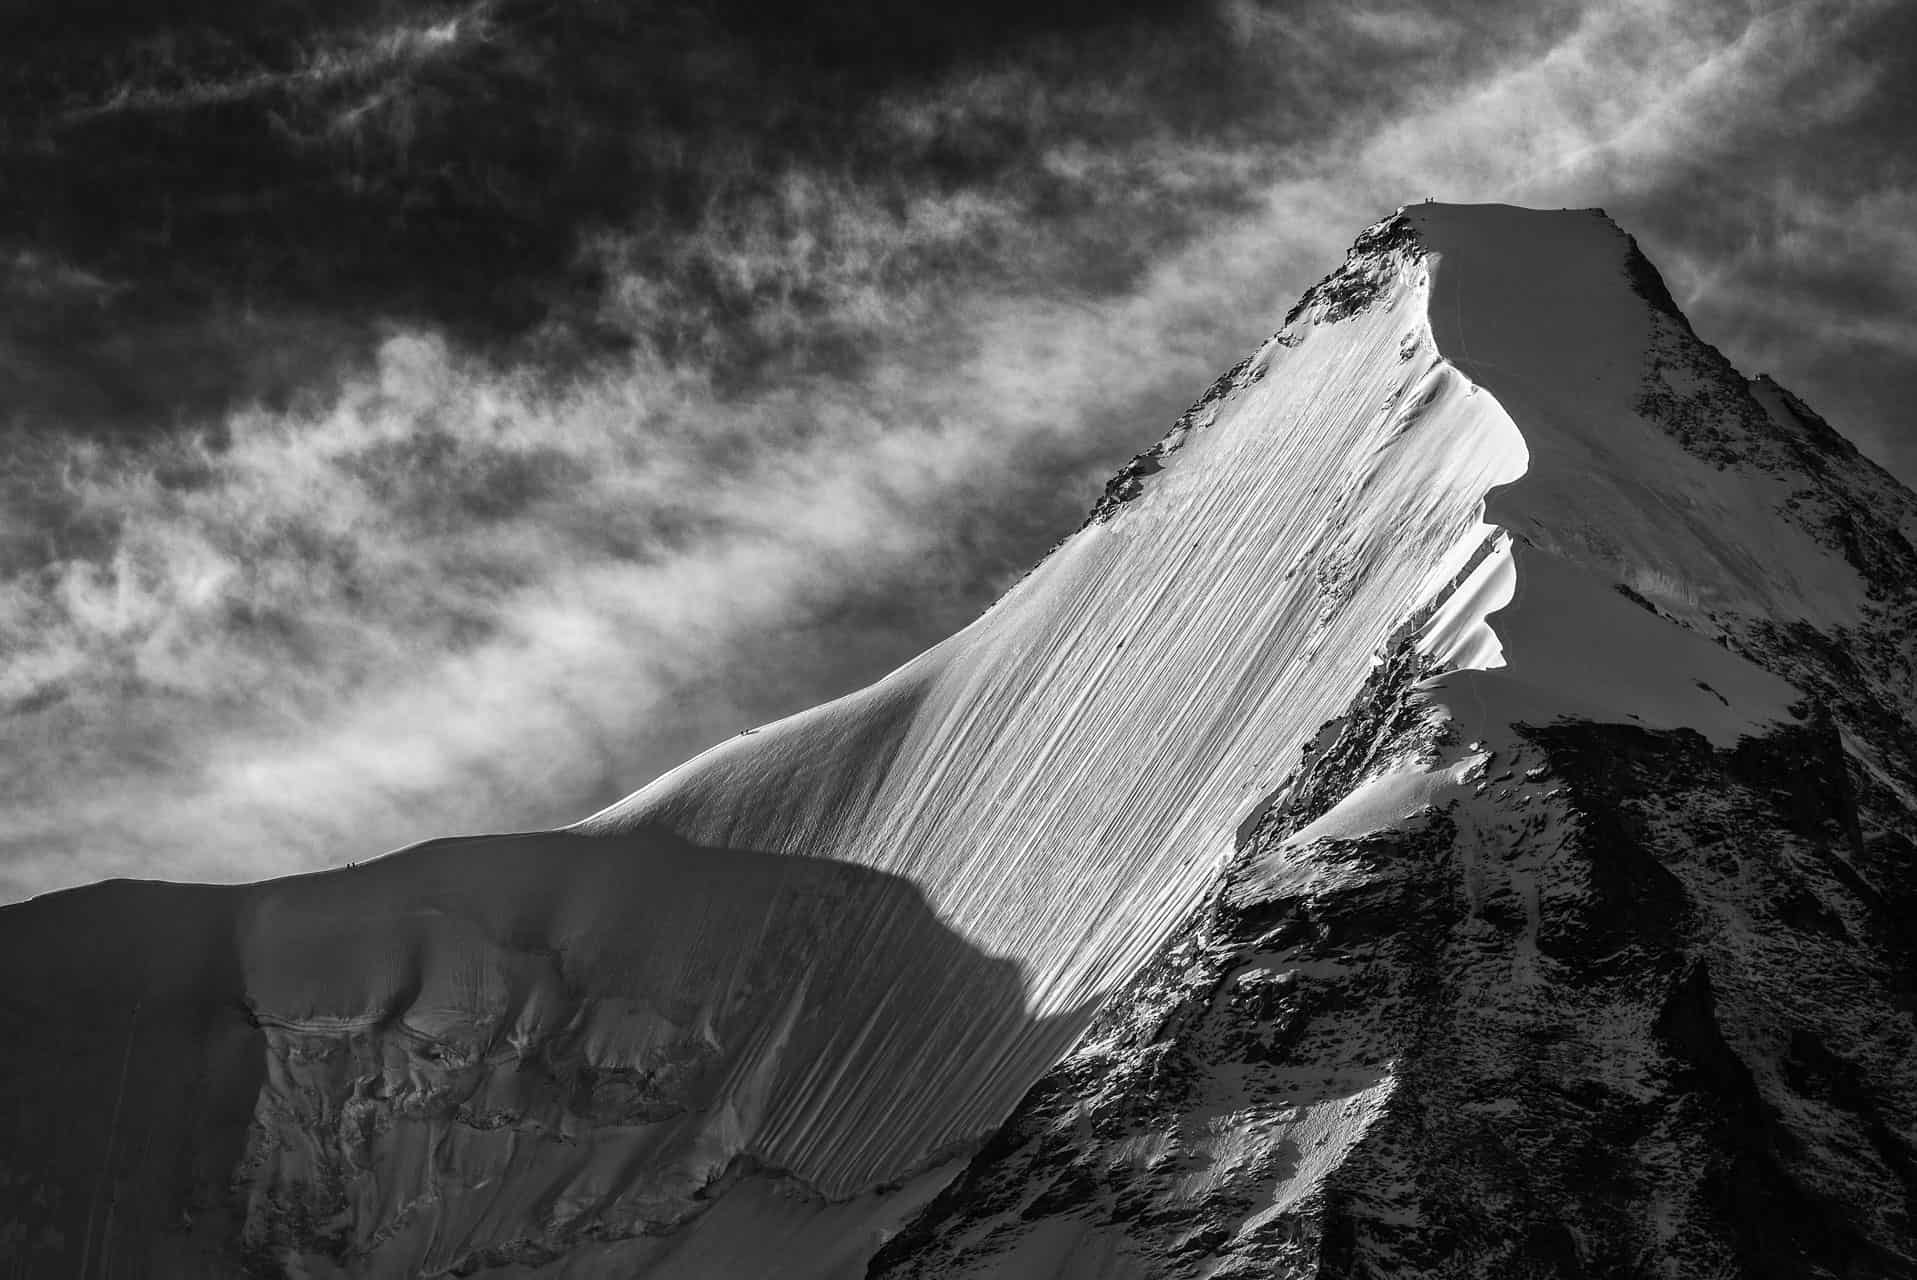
column 1451, row 811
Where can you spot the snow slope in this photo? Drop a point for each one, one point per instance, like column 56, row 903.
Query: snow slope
column 751, row 1018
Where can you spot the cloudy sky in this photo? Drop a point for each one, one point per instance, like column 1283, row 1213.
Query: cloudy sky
column 426, row 418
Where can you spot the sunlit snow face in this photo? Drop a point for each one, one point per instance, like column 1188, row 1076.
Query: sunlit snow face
column 445, row 419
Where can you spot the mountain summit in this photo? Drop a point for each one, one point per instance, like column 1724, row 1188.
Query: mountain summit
column 1451, row 810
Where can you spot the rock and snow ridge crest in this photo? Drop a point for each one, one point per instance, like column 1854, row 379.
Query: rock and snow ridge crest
column 1541, row 962
column 1620, row 496
column 1484, row 478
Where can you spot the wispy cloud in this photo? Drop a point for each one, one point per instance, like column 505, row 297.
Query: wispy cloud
column 450, row 589
column 452, row 595
column 159, row 82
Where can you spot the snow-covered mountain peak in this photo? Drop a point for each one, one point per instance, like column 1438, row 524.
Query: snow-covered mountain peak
column 1550, row 955
column 1483, row 484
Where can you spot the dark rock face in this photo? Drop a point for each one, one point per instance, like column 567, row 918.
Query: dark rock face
column 1631, row 1006
column 1767, row 966
column 1647, row 282
column 1371, row 266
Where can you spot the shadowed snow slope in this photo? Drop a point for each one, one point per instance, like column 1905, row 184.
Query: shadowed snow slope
column 753, row 1017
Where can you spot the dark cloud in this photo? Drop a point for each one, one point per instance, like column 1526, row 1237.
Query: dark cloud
column 244, row 177
column 430, row 418
column 444, row 165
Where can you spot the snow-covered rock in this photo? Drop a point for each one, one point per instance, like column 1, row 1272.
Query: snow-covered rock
column 1449, row 811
